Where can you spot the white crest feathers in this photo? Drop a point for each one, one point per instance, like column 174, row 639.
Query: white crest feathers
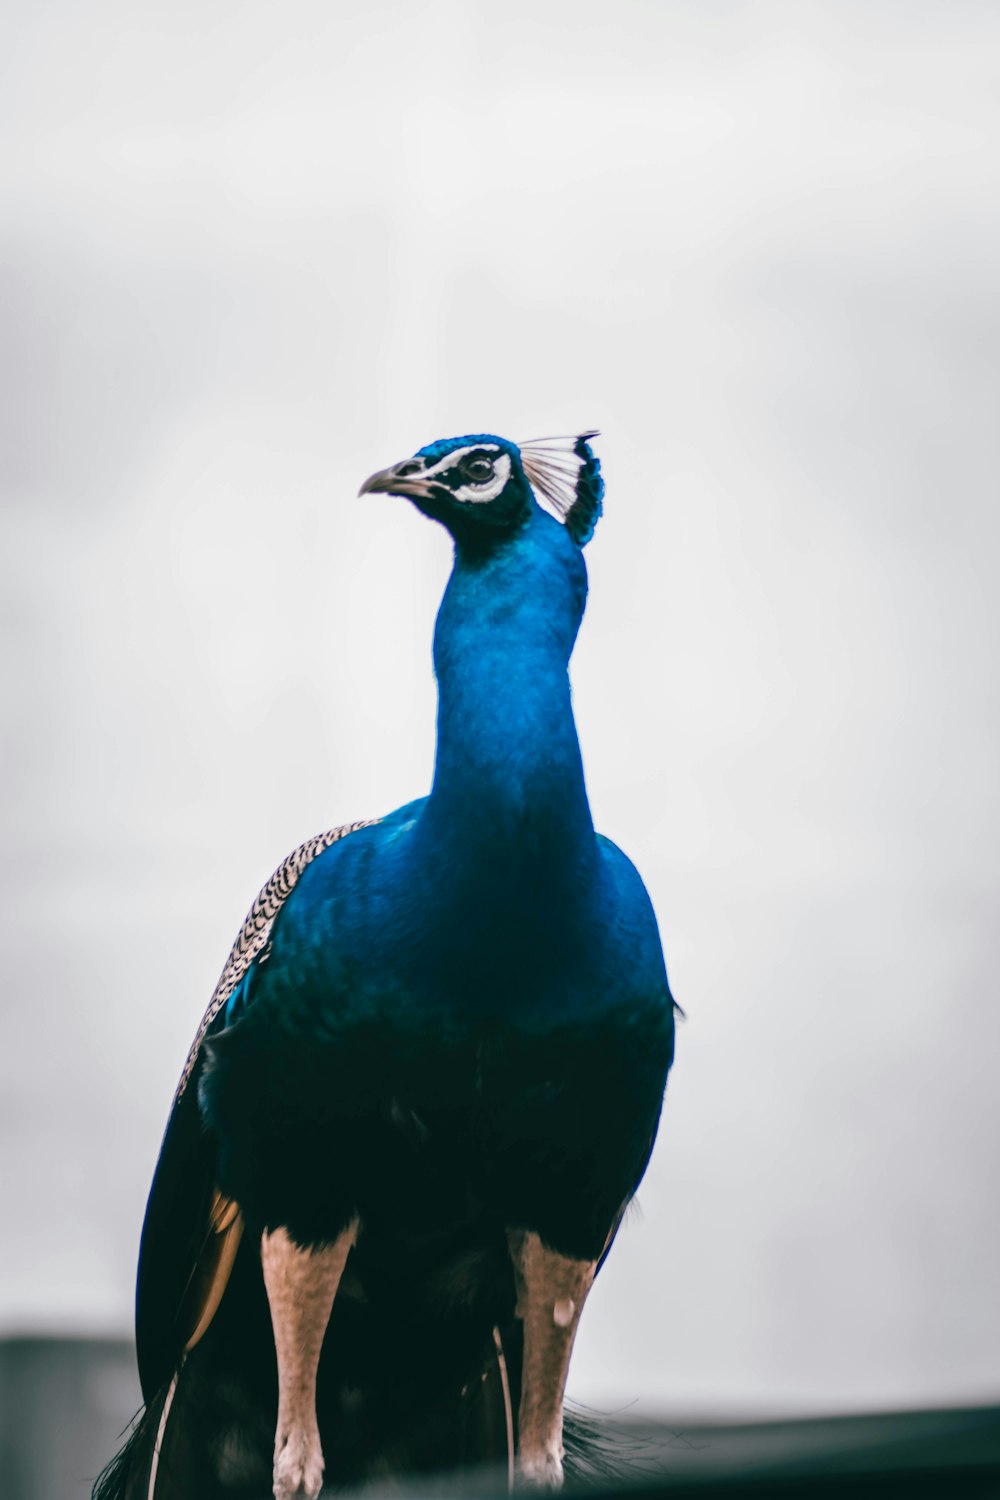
column 565, row 474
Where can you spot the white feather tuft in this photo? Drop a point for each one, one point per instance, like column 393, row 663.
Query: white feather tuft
column 553, row 468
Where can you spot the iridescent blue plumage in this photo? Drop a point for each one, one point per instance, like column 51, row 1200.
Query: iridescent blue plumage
column 460, row 1026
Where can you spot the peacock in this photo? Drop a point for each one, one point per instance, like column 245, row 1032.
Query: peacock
column 430, row 1078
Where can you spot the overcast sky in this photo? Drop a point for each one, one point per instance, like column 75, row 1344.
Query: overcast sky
column 252, row 252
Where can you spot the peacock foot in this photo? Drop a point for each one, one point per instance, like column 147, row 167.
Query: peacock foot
column 298, row 1465
column 541, row 1470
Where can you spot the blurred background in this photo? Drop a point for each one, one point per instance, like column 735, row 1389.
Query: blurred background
column 253, row 252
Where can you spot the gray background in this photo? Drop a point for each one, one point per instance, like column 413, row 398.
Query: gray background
column 253, row 252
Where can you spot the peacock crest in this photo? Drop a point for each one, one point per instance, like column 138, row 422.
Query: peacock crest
column 565, row 474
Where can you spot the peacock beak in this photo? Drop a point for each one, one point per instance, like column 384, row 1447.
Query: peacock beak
column 402, row 479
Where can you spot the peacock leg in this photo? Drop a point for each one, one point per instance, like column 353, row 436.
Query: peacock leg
column 551, row 1291
column 301, row 1285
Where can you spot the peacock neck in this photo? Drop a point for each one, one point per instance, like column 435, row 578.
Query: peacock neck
column 508, row 776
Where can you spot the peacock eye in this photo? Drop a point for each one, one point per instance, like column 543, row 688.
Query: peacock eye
column 479, row 470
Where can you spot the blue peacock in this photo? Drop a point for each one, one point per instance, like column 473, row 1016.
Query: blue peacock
column 430, row 1078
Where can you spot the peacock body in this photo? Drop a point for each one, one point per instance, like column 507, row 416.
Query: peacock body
column 430, row 1078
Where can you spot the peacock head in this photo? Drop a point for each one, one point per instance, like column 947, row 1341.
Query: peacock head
column 483, row 488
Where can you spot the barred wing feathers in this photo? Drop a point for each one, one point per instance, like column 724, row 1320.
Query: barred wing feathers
column 191, row 1233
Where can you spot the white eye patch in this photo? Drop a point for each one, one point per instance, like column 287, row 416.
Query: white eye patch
column 456, row 456
column 473, row 494
column 480, row 494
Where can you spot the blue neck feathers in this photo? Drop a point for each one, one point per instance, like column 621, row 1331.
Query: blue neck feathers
column 508, row 781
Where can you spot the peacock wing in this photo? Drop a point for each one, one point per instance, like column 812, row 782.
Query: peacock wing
column 191, row 1232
